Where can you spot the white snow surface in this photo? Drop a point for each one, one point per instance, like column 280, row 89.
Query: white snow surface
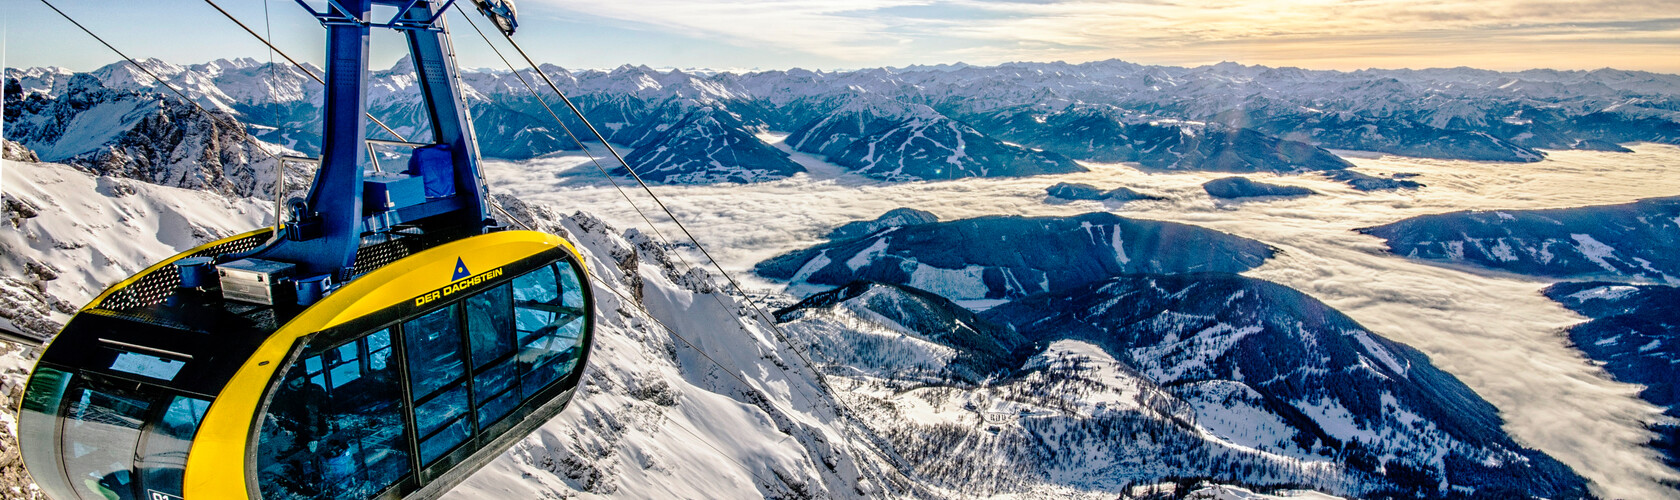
column 95, row 231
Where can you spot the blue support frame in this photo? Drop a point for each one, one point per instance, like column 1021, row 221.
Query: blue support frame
column 325, row 230
column 400, row 22
column 446, row 108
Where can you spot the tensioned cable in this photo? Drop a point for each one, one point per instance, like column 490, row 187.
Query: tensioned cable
column 160, row 80
column 731, row 278
column 294, row 62
column 279, row 166
column 809, row 398
column 567, row 130
column 655, row 320
column 528, row 87
column 821, row 379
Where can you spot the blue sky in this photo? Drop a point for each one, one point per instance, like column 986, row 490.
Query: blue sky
column 827, row 34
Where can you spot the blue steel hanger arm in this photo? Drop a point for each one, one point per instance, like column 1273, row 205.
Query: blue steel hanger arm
column 441, row 193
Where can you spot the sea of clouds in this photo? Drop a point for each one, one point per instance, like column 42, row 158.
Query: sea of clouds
column 1494, row 331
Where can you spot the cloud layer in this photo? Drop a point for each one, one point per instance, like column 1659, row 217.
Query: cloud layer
column 1496, row 333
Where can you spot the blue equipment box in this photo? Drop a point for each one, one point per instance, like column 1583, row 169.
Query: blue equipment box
column 436, row 165
column 381, row 192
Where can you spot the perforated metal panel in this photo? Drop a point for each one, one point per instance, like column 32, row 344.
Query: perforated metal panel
column 159, row 285
column 376, row 255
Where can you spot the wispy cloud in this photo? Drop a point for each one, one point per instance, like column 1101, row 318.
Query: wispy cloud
column 1500, row 34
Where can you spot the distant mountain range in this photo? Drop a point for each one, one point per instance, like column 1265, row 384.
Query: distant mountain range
column 937, row 123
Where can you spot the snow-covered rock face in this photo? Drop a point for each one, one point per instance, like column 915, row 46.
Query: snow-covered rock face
column 708, row 146
column 141, row 135
column 1635, row 332
column 1011, row 257
column 17, row 152
column 1058, row 420
column 1271, row 369
column 864, row 325
column 1625, row 242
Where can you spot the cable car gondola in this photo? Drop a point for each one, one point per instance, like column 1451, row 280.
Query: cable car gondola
column 386, row 341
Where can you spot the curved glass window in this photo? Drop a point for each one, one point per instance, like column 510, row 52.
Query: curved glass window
column 101, row 433
column 490, row 326
column 163, row 459
column 549, row 324
column 113, row 440
column 437, row 376
column 523, row 338
column 335, row 427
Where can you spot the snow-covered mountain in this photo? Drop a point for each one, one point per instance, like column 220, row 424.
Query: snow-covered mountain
column 1003, row 257
column 894, row 141
column 1266, row 367
column 1623, row 242
column 893, row 218
column 1106, row 134
column 1635, row 332
column 1141, row 379
column 952, row 343
column 140, row 135
column 708, row 146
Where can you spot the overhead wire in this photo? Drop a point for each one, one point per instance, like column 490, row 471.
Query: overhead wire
column 809, row 398
column 259, row 146
column 279, row 166
column 840, row 407
column 300, row 66
column 697, row 244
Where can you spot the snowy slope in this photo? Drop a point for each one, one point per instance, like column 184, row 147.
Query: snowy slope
column 70, row 234
column 1273, row 369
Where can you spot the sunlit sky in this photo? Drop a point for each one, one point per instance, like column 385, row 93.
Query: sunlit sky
column 826, row 34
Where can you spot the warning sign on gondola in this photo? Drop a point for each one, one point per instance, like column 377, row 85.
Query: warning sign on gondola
column 457, row 287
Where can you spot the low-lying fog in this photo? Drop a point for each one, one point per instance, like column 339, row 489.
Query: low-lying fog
column 1495, row 332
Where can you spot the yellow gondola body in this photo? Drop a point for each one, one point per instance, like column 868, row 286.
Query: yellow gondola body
column 145, row 379
column 386, row 341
